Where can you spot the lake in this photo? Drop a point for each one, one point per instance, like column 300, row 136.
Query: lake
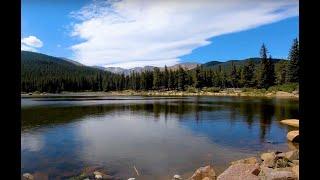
column 160, row 136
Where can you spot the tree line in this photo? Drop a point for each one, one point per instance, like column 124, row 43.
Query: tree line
column 46, row 77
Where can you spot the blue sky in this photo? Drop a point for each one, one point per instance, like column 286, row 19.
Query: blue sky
column 138, row 33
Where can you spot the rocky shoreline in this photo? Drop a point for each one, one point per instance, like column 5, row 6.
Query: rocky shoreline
column 228, row 92
column 273, row 165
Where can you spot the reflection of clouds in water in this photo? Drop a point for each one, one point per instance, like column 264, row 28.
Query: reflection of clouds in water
column 129, row 139
column 31, row 142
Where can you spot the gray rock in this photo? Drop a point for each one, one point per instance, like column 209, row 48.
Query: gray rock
column 240, row 171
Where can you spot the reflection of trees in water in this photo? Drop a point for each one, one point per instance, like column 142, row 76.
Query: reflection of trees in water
column 266, row 114
column 263, row 111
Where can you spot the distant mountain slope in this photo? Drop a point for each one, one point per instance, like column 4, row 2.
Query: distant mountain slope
column 119, row 70
column 72, row 61
column 227, row 65
column 185, row 66
column 42, row 62
column 51, row 74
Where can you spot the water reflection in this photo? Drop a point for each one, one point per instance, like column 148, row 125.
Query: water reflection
column 160, row 136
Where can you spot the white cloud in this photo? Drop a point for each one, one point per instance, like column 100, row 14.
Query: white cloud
column 131, row 33
column 31, row 43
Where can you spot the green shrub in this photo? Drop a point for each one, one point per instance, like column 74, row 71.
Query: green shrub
column 247, row 89
column 289, row 87
column 191, row 89
column 212, row 89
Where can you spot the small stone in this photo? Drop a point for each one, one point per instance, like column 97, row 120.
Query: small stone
column 28, row 176
column 256, row 171
column 268, row 159
column 131, row 178
column 250, row 160
column 98, row 176
column 177, row 176
column 97, row 173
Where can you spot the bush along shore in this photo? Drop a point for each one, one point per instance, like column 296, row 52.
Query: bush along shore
column 191, row 92
column 273, row 165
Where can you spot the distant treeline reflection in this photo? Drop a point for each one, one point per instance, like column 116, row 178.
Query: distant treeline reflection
column 263, row 111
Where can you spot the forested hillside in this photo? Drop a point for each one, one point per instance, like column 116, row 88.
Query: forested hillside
column 44, row 73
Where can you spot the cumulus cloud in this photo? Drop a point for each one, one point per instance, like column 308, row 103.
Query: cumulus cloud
column 31, row 43
column 131, row 33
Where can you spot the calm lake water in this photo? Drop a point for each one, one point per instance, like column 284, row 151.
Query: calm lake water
column 61, row 136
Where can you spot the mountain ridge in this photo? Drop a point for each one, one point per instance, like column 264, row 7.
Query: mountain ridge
column 118, row 70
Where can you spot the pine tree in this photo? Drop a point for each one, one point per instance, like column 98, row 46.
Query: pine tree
column 293, row 66
column 234, row 76
column 181, row 78
column 271, row 72
column 166, row 77
column 156, row 78
column 264, row 68
column 195, row 77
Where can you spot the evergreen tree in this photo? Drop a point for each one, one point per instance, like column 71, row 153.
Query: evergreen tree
column 263, row 74
column 181, row 78
column 195, row 77
column 234, row 76
column 247, row 74
column 156, row 78
column 166, row 77
column 293, row 66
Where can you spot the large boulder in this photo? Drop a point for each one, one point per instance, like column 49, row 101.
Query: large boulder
column 291, row 122
column 276, row 174
column 204, row 172
column 269, row 159
column 292, row 155
column 293, row 136
column 241, row 171
column 295, row 170
column 250, row 160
